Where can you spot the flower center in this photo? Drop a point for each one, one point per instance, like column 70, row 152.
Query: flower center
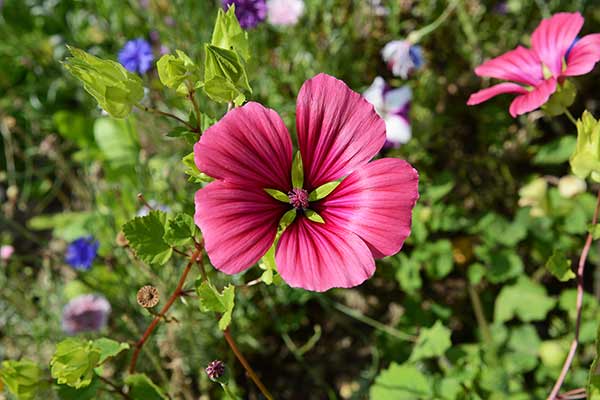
column 298, row 198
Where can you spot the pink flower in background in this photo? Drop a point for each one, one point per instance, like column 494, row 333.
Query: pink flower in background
column 85, row 313
column 367, row 216
column 393, row 106
column 556, row 53
column 6, row 251
column 284, row 12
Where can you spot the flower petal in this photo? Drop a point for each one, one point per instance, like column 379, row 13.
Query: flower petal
column 374, row 93
column 376, row 203
column 249, row 146
column 318, row 257
column 492, row 91
column 519, row 65
column 338, row 130
column 397, row 129
column 238, row 224
column 534, row 99
column 397, row 99
column 553, row 37
column 584, row 55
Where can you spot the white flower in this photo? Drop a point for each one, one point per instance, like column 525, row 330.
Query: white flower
column 284, row 12
column 570, row 186
column 392, row 106
column 402, row 57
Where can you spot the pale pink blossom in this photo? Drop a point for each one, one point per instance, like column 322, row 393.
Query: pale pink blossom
column 6, row 251
column 284, row 12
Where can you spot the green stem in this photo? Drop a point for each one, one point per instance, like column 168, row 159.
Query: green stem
column 228, row 392
column 417, row 35
column 481, row 321
column 570, row 116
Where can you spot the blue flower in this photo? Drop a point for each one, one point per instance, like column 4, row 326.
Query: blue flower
column 136, row 56
column 249, row 12
column 81, row 252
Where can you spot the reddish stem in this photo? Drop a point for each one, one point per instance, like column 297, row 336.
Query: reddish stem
column 579, row 306
column 178, row 292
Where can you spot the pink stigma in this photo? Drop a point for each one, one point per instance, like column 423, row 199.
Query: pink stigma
column 298, row 198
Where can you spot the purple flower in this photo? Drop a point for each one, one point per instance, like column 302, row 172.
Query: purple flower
column 81, row 252
column 136, row 56
column 215, row 369
column 249, row 12
column 85, row 313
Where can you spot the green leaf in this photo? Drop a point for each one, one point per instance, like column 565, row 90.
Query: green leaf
column 224, row 74
column 297, row 171
column 23, row 378
column 560, row 266
column 287, row 219
column 278, row 195
column 401, row 382
column 323, row 190
column 555, row 152
column 561, row 99
column 437, row 257
column 314, row 216
column 593, row 383
column 525, row 299
column 212, row 300
column 179, row 230
column 90, row 392
column 117, row 139
column 178, row 72
column 192, row 170
column 115, row 89
column 432, row 342
column 75, row 127
column 145, row 236
column 267, row 262
column 142, row 388
column 109, row 348
column 221, row 90
column 585, row 160
column 228, row 34
column 595, row 231
column 74, row 361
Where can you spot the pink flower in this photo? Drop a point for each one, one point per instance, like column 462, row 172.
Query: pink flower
column 6, row 251
column 368, row 215
column 85, row 313
column 555, row 54
column 284, row 12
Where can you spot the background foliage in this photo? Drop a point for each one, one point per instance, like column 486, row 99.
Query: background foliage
column 467, row 309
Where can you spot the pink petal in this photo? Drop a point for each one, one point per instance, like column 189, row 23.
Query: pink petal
column 238, row 224
column 519, row 65
column 319, row 257
column 338, row 130
column 584, row 55
column 553, row 37
column 486, row 94
column 376, row 203
column 249, row 146
column 534, row 99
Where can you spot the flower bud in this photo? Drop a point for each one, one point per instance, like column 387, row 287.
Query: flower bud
column 215, row 370
column 570, row 186
column 148, row 296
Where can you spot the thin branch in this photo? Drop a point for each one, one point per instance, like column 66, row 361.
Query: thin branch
column 115, row 388
column 192, row 98
column 169, row 115
column 142, row 199
column 579, row 306
column 178, row 291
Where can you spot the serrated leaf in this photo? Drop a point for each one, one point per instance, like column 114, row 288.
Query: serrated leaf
column 559, row 266
column 323, row 190
column 145, row 236
column 297, row 171
column 212, row 300
column 526, row 300
column 109, row 348
column 74, row 361
column 401, row 382
column 179, row 230
column 142, row 388
column 278, row 195
column 23, row 378
column 432, row 342
column 314, row 216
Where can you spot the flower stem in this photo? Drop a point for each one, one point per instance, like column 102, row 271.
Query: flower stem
column 417, row 35
column 570, row 116
column 192, row 98
column 178, row 291
column 169, row 115
column 579, row 306
column 115, row 388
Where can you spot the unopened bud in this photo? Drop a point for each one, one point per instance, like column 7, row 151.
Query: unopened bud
column 148, row 296
column 215, row 369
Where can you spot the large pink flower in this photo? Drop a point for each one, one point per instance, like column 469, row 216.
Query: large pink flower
column 555, row 54
column 368, row 215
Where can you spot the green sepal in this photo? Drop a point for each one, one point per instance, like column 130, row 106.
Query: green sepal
column 297, row 171
column 560, row 100
column 323, row 190
column 211, row 300
column 287, row 219
column 278, row 195
column 178, row 72
column 228, row 34
column 585, row 161
column 314, row 216
column 225, row 78
column 195, row 175
column 115, row 89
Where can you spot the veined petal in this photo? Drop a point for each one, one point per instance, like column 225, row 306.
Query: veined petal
column 534, row 99
column 318, row 257
column 249, row 146
column 338, row 130
column 584, row 55
column 519, row 65
column 376, row 203
column 397, row 129
column 238, row 224
column 553, row 37
column 492, row 91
